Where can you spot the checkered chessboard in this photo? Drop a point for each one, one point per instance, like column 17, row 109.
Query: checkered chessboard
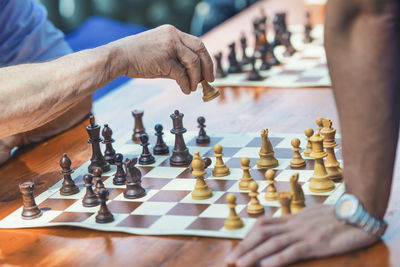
column 306, row 68
column 167, row 208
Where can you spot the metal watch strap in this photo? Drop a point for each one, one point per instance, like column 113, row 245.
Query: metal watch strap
column 369, row 223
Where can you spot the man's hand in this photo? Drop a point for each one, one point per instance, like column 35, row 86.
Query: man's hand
column 313, row 232
column 165, row 52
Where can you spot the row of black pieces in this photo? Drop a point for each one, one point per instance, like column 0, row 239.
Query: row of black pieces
column 95, row 197
column 99, row 195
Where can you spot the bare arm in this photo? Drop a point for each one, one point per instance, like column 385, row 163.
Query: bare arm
column 361, row 39
column 362, row 48
column 31, row 95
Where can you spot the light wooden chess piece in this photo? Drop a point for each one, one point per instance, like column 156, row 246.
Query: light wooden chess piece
column 267, row 159
column 233, row 221
column 285, row 198
column 297, row 161
column 220, row 168
column 308, row 132
column 331, row 163
column 254, row 207
column 201, row 189
column 320, row 182
column 271, row 194
column 246, row 178
column 298, row 201
column 209, row 92
column 318, row 121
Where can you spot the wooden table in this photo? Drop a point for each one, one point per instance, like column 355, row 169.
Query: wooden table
column 237, row 110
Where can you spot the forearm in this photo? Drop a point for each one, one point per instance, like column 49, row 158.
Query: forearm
column 362, row 55
column 31, row 95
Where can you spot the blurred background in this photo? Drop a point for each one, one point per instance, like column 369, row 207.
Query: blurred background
column 194, row 16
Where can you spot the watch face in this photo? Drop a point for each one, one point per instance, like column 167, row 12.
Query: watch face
column 347, row 206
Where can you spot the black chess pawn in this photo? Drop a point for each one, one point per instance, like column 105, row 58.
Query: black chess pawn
column 161, row 147
column 263, row 52
column 253, row 74
column 90, row 199
column 243, row 43
column 279, row 22
column 68, row 186
column 104, row 215
column 109, row 153
column 97, row 159
column 146, row 157
column 98, row 182
column 138, row 129
column 307, row 29
column 219, row 72
column 180, row 154
column 202, row 138
column 30, row 209
column 234, row 66
column 288, row 44
column 271, row 58
column 119, row 176
column 134, row 188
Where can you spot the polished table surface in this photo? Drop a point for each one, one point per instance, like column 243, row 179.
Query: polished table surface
column 237, row 110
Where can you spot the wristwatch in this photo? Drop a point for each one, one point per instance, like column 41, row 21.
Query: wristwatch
column 349, row 210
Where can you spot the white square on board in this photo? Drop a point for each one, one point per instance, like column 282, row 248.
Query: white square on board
column 154, row 208
column 173, row 222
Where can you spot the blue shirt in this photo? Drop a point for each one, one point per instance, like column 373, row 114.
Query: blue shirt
column 26, row 35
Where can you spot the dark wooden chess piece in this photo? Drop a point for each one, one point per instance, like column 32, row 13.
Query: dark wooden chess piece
column 253, row 74
column 202, row 138
column 104, row 215
column 219, row 72
column 30, row 209
column 97, row 159
column 243, row 43
column 146, row 157
column 68, row 186
column 119, row 176
column 279, row 22
column 234, row 66
column 138, row 129
column 180, row 153
column 288, row 44
column 90, row 199
column 161, row 147
column 134, row 188
column 271, row 58
column 109, row 153
column 98, row 182
column 264, row 65
column 308, row 28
